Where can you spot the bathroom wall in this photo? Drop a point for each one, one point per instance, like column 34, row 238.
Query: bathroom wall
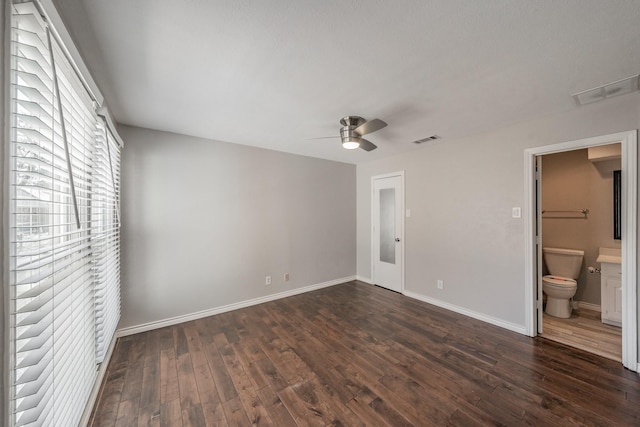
column 571, row 181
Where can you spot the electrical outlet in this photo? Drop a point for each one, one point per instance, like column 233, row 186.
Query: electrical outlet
column 286, row 277
column 267, row 280
column 440, row 284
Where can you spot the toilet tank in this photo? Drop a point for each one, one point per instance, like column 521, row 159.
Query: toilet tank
column 563, row 262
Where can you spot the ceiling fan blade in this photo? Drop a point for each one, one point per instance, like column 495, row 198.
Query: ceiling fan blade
column 322, row 137
column 367, row 145
column 370, row 126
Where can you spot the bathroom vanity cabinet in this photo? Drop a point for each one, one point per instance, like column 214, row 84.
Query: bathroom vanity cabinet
column 611, row 286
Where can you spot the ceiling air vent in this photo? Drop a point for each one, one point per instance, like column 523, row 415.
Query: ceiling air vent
column 427, row 139
column 617, row 88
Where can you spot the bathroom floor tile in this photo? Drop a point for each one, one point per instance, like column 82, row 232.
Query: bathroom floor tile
column 585, row 331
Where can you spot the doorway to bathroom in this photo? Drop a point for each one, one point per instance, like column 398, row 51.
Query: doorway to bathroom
column 578, row 233
column 570, row 206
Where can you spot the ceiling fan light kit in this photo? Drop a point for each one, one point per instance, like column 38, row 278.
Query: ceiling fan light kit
column 350, row 143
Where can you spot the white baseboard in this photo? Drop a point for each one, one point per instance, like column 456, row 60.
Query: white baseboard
column 586, row 305
column 223, row 309
column 366, row 280
column 470, row 313
column 95, row 392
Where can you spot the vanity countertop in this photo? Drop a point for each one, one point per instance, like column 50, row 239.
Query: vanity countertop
column 610, row 255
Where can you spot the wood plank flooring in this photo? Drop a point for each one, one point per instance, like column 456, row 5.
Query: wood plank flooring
column 355, row 354
column 585, row 331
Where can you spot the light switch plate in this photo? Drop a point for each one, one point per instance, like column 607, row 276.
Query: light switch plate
column 516, row 212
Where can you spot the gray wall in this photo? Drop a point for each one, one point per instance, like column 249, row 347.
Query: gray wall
column 461, row 193
column 571, row 181
column 204, row 222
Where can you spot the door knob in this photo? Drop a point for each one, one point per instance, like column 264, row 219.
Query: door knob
column 397, row 239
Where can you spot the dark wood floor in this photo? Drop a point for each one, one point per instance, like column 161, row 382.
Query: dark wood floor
column 355, row 354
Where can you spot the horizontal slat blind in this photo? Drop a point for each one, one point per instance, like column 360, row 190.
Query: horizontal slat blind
column 106, row 228
column 65, row 296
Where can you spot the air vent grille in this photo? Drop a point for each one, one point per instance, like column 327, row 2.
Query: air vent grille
column 427, row 139
column 617, row 88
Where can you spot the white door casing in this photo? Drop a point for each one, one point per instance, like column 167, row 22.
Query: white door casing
column 387, row 244
column 538, row 236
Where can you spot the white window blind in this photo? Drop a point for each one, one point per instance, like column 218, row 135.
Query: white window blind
column 64, row 238
column 106, row 216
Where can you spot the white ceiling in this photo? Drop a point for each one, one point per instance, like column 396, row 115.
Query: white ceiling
column 274, row 73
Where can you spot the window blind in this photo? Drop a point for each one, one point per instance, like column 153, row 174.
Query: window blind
column 64, row 237
column 106, row 245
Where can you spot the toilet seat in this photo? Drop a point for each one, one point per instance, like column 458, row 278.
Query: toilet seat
column 558, row 281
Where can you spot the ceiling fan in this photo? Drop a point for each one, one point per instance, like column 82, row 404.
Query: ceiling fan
column 352, row 130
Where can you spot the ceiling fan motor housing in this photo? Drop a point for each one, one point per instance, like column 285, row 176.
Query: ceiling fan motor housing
column 348, row 129
column 349, row 132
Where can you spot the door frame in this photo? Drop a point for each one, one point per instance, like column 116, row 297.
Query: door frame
column 538, row 242
column 402, row 217
column 629, row 167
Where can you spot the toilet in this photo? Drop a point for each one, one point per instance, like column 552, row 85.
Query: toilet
column 560, row 285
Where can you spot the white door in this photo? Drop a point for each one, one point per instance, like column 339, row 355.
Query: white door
column 538, row 232
column 388, row 231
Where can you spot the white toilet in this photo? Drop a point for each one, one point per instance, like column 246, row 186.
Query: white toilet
column 560, row 286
